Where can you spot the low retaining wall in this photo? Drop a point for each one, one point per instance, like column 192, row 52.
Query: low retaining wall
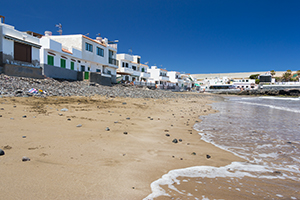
column 98, row 78
column 22, row 71
column 59, row 73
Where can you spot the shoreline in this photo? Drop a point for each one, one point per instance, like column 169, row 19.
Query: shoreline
column 76, row 161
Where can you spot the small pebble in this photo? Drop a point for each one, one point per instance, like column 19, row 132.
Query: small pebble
column 24, row 116
column 69, row 119
column 208, row 156
column 1, row 152
column 128, row 118
column 24, row 136
column 60, row 114
column 167, row 135
column 125, row 133
column 64, row 110
column 79, row 125
column 175, row 141
column 180, row 140
column 194, row 153
column 24, row 159
column 124, row 103
column 107, row 129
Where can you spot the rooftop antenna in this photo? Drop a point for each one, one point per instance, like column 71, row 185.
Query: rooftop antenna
column 59, row 26
column 87, row 34
column 98, row 34
column 130, row 51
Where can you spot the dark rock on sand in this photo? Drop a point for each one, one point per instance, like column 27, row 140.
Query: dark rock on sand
column 125, row 133
column 167, row 135
column 180, row 140
column 1, row 152
column 24, row 159
column 208, row 156
column 175, row 141
column 107, row 129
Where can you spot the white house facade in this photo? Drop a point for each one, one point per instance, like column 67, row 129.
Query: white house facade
column 158, row 76
column 97, row 55
column 58, row 62
column 19, row 52
column 131, row 69
column 175, row 78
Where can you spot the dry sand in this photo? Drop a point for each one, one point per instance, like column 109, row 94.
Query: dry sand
column 88, row 162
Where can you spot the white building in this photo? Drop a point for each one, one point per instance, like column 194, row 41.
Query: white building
column 131, row 69
column 175, row 78
column 58, row 61
column 97, row 55
column 19, row 52
column 244, row 83
column 158, row 76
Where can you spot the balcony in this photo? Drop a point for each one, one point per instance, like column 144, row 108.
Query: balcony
column 126, row 70
column 136, row 73
column 163, row 78
column 145, row 75
column 113, row 61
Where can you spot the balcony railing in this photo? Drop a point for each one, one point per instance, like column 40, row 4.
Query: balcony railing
column 113, row 61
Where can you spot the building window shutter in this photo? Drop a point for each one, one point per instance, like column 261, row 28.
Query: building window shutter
column 72, row 65
column 62, row 63
column 50, row 60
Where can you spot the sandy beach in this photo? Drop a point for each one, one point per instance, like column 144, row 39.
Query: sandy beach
column 100, row 148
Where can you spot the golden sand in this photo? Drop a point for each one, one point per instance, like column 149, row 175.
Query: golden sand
column 89, row 162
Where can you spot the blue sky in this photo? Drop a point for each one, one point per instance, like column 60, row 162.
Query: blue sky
column 191, row 36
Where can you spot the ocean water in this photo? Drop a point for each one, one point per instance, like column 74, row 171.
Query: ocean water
column 265, row 131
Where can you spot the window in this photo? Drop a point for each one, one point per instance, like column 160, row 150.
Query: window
column 111, row 54
column 88, row 47
column 62, row 63
column 100, row 52
column 82, row 68
column 138, row 60
column 72, row 65
column 98, row 70
column 127, row 65
column 22, row 52
column 50, row 60
column 108, row 72
column 134, row 67
column 143, row 70
column 123, row 64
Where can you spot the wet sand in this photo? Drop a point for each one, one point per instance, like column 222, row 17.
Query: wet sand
column 89, row 162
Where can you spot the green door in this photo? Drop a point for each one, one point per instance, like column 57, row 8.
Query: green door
column 86, row 75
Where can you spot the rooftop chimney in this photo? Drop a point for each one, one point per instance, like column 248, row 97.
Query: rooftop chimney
column 2, row 17
column 48, row 33
column 99, row 39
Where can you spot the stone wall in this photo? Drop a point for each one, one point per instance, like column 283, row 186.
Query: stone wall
column 102, row 80
column 59, row 73
column 22, row 71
